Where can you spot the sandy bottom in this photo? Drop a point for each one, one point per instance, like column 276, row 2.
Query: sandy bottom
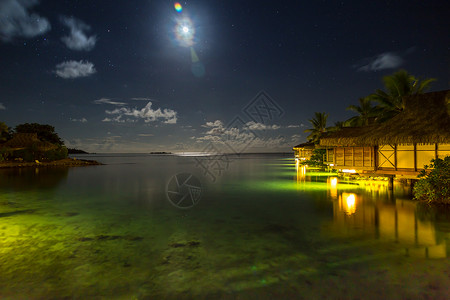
column 66, row 252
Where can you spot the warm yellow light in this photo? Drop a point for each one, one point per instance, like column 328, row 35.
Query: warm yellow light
column 350, row 202
column 333, row 181
column 301, row 171
column 331, row 165
column 333, row 187
column 347, row 203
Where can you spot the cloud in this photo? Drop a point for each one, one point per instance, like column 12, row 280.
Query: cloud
column 244, row 137
column 78, row 40
column 216, row 123
column 17, row 21
column 148, row 114
column 108, row 101
column 383, row 61
column 117, row 119
column 2, row 106
column 260, row 126
column 82, row 120
column 216, row 127
column 295, row 138
column 143, row 99
column 74, row 69
column 293, row 126
column 145, row 134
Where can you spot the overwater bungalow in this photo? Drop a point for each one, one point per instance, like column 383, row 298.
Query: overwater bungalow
column 400, row 146
column 304, row 151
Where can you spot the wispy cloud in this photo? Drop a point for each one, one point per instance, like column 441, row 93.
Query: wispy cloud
column 145, row 134
column 108, row 101
column 293, row 126
column 74, row 69
column 296, row 138
column 17, row 21
column 241, row 139
column 260, row 126
column 82, row 120
column 2, row 106
column 78, row 39
column 142, row 99
column 383, row 61
column 148, row 114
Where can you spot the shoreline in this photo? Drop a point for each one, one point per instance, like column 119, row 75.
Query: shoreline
column 66, row 162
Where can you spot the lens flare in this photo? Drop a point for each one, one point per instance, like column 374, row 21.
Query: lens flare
column 178, row 7
column 197, row 67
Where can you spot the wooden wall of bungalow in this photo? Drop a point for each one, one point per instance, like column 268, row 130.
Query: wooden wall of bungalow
column 406, row 158
column 362, row 158
column 409, row 157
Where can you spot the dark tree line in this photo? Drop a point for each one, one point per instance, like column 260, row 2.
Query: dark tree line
column 45, row 133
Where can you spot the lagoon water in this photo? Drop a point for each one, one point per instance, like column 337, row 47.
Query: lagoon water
column 257, row 227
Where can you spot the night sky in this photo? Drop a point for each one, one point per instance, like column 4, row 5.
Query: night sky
column 139, row 76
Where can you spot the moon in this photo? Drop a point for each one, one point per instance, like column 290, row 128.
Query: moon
column 184, row 32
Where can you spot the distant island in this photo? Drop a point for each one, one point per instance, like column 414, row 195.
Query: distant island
column 162, row 152
column 76, row 151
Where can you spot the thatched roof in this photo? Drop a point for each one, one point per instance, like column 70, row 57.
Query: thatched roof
column 346, row 136
column 425, row 119
column 24, row 140
column 310, row 145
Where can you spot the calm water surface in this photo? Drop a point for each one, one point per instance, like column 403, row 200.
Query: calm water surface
column 263, row 228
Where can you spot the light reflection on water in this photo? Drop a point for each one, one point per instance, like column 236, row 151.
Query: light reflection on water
column 386, row 215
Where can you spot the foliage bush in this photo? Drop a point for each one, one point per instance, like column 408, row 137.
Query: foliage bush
column 316, row 159
column 32, row 153
column 434, row 185
column 56, row 154
column 4, row 154
column 26, row 154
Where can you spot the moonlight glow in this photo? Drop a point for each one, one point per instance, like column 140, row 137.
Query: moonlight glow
column 184, row 32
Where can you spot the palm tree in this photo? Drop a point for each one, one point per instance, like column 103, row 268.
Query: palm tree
column 319, row 123
column 338, row 125
column 366, row 112
column 397, row 86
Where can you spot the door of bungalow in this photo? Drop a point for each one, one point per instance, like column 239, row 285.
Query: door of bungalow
column 387, row 157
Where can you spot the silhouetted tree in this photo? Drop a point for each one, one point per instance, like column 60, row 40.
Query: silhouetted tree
column 44, row 132
column 397, row 86
column 319, row 123
column 366, row 112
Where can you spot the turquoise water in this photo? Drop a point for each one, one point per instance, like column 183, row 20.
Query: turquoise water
column 258, row 227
